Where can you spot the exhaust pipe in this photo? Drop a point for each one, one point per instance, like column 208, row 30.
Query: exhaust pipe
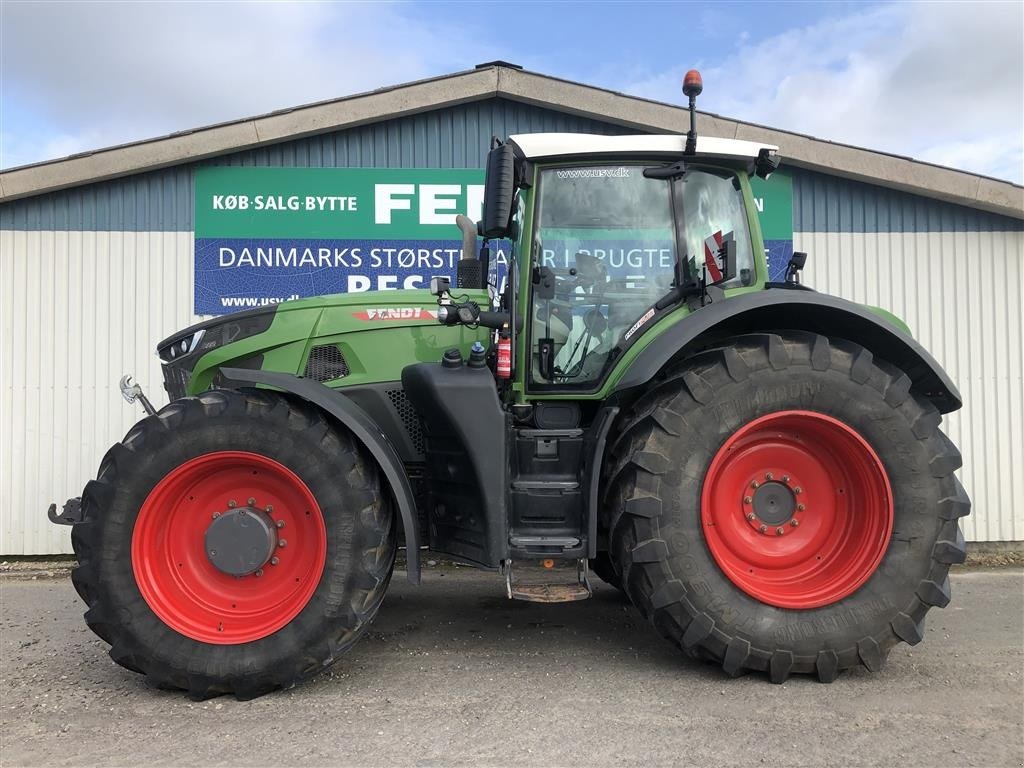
column 471, row 272
column 468, row 227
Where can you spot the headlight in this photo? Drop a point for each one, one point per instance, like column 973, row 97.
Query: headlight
column 219, row 332
column 181, row 346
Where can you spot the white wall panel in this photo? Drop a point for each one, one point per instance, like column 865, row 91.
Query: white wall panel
column 77, row 310
column 961, row 294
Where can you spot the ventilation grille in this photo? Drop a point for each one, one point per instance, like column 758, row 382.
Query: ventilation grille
column 410, row 419
column 326, row 363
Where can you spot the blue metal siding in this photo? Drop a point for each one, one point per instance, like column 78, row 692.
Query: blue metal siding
column 823, row 203
column 454, row 137
column 458, row 137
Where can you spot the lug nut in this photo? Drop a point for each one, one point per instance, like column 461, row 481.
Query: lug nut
column 755, row 484
column 274, row 560
column 801, row 507
column 259, row 572
column 779, row 531
column 279, row 523
column 747, row 499
column 785, row 478
column 282, row 543
column 251, row 502
column 232, row 504
column 270, row 508
column 794, row 523
column 768, row 476
column 798, row 489
column 216, row 515
column 750, row 516
column 763, row 528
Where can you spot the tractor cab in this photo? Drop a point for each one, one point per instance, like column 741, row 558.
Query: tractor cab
column 616, row 232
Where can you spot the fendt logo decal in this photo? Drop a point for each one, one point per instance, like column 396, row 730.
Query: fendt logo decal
column 396, row 313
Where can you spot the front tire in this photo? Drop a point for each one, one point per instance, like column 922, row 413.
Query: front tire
column 849, row 576
column 159, row 565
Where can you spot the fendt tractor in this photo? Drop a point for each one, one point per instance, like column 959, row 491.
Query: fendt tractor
column 757, row 466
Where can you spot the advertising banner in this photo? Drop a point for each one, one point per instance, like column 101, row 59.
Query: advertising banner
column 265, row 235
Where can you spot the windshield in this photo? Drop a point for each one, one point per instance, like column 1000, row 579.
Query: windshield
column 608, row 235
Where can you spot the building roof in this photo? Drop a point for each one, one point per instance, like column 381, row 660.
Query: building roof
column 540, row 145
column 500, row 79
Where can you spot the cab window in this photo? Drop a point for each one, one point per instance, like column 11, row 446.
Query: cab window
column 606, row 233
column 711, row 203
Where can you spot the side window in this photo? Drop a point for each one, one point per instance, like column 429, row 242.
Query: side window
column 607, row 234
column 713, row 203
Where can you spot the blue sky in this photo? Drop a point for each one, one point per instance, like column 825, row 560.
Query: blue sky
column 942, row 82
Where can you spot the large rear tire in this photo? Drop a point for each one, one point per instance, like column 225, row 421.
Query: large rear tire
column 223, row 467
column 786, row 504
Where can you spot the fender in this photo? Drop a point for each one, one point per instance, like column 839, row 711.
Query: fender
column 781, row 309
column 366, row 431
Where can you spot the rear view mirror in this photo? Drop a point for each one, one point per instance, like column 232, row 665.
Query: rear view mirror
column 499, row 190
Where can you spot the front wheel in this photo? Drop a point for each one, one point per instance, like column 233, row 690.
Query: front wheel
column 787, row 504
column 234, row 542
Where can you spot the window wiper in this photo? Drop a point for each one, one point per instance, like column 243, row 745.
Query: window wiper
column 673, row 171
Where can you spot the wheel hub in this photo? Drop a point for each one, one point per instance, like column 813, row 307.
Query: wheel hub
column 774, row 503
column 240, row 541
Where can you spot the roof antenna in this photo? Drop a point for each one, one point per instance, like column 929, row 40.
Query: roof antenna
column 692, row 87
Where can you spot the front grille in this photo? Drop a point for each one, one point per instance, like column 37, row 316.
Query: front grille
column 410, row 419
column 176, row 381
column 326, row 363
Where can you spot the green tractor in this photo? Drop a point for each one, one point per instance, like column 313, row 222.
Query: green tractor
column 757, row 466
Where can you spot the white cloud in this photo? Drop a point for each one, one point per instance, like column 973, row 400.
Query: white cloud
column 107, row 73
column 942, row 82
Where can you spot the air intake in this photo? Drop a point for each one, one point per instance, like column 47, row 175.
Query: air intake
column 325, row 363
column 410, row 419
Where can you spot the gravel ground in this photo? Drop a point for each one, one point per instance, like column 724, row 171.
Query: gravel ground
column 453, row 673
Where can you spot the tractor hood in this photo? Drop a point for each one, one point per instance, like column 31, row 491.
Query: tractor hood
column 395, row 307
column 374, row 332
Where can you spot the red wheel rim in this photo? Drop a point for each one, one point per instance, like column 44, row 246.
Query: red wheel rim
column 797, row 509
column 180, row 583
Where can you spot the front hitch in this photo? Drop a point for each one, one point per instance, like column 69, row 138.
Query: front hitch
column 132, row 392
column 71, row 514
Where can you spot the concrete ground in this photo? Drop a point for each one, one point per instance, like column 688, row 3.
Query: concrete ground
column 453, row 673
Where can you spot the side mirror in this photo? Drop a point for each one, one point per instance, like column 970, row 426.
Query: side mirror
column 499, row 191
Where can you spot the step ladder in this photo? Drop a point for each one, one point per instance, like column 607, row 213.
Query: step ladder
column 540, row 589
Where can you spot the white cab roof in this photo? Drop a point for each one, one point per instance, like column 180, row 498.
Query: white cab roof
column 540, row 145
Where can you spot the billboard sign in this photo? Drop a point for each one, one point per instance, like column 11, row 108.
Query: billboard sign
column 264, row 235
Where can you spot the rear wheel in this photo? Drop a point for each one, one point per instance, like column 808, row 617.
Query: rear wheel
column 233, row 543
column 785, row 504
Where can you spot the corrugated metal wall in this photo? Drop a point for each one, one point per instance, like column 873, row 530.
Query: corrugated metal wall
column 92, row 277
column 77, row 310
column 956, row 276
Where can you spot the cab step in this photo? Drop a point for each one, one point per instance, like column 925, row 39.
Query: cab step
column 535, row 590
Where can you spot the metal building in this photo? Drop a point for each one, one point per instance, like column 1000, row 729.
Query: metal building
column 97, row 263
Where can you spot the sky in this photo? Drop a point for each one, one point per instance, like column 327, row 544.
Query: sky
column 940, row 82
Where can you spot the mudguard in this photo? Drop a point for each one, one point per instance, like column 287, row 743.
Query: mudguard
column 366, row 431
column 781, row 309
